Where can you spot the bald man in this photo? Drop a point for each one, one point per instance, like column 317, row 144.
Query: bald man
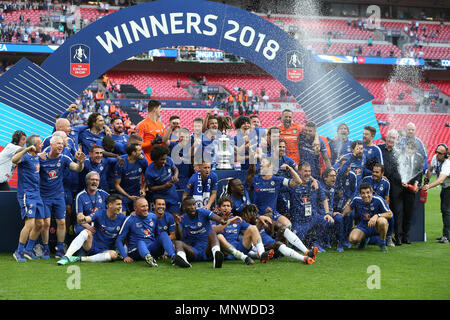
column 411, row 135
column 63, row 124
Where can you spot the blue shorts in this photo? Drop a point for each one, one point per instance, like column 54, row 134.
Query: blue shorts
column 173, row 208
column 78, row 228
column 238, row 245
column 31, row 207
column 55, row 205
column 369, row 232
column 200, row 251
column 97, row 248
column 154, row 249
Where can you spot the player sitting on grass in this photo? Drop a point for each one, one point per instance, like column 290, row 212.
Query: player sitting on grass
column 100, row 245
column 373, row 213
column 250, row 215
column 237, row 236
column 198, row 240
column 145, row 241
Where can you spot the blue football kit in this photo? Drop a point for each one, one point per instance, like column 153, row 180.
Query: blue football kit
column 143, row 238
column 200, row 189
column 265, row 193
column 357, row 165
column 166, row 223
column 240, row 203
column 382, row 189
column 107, row 230
column 88, row 204
column 373, row 155
column 51, row 174
column 337, row 231
column 158, row 177
column 130, row 175
column 366, row 211
column 306, row 211
column 28, row 191
column 195, row 232
column 233, row 233
column 339, row 148
column 105, row 169
column 87, row 139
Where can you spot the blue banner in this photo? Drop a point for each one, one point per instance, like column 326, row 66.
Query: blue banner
column 27, row 48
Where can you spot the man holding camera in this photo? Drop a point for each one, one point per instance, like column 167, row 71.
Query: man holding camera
column 151, row 130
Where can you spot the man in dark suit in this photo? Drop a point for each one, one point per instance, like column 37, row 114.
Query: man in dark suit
column 411, row 172
column 391, row 172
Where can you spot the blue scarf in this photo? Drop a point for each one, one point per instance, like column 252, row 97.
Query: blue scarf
column 201, row 192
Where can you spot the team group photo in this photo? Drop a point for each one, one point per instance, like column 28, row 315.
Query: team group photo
column 211, row 150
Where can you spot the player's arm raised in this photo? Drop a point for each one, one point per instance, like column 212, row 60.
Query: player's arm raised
column 80, row 157
column 295, row 181
column 178, row 229
column 18, row 156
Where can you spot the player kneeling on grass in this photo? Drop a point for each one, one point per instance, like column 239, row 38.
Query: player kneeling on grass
column 237, row 236
column 198, row 240
column 250, row 215
column 373, row 213
column 145, row 240
column 99, row 245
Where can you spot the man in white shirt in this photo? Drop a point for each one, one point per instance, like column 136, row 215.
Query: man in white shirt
column 440, row 164
column 6, row 166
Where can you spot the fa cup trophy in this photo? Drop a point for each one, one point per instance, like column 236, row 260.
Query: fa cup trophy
column 224, row 156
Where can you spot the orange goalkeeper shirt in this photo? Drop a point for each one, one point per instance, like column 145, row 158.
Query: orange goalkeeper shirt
column 148, row 129
column 291, row 136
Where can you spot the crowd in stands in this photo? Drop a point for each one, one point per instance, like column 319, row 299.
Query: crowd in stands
column 90, row 102
column 41, row 28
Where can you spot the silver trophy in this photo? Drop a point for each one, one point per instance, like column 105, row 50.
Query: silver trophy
column 224, row 156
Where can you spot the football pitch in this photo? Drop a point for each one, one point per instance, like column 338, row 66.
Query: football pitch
column 417, row 271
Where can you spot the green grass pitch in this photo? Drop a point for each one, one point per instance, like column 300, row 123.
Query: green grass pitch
column 416, row 271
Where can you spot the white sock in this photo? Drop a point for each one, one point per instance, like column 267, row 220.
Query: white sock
column 99, row 257
column 294, row 240
column 77, row 243
column 260, row 247
column 182, row 254
column 214, row 249
column 237, row 254
column 252, row 253
column 288, row 252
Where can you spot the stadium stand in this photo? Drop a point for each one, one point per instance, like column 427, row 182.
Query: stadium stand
column 164, row 85
column 385, row 91
column 353, row 48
